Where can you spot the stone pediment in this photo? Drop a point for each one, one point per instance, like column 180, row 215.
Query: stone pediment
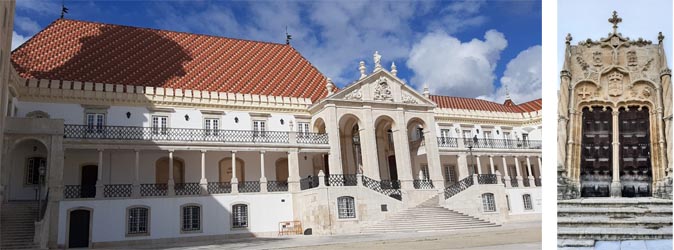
column 381, row 87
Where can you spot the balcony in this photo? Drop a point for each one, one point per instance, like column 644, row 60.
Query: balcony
column 191, row 135
column 451, row 142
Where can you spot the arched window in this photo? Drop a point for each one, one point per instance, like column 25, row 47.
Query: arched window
column 240, row 216
column 137, row 221
column 527, row 202
column 346, row 207
column 191, row 218
column 488, row 203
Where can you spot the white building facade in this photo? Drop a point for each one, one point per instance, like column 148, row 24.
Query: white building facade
column 126, row 163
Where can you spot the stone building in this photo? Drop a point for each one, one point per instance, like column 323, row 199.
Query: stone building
column 614, row 134
column 132, row 135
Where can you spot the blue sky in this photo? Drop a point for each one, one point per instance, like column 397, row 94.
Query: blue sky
column 457, row 48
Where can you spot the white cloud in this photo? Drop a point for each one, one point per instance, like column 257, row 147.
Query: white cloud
column 522, row 76
column 450, row 67
column 40, row 6
column 17, row 40
column 27, row 25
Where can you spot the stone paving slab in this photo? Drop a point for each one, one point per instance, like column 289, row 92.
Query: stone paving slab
column 634, row 245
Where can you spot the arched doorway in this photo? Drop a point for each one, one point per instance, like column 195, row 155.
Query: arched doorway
column 88, row 177
column 282, row 169
column 161, row 170
column 319, row 127
column 384, row 126
column 225, row 169
column 352, row 157
column 28, row 170
column 636, row 172
column 79, row 226
column 596, row 164
column 416, row 129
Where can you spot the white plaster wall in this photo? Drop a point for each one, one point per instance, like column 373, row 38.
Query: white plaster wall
column 109, row 215
column 517, row 202
column 70, row 113
column 18, row 190
column 469, row 202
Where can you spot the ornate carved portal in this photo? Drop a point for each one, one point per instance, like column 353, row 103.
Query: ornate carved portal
column 635, row 153
column 596, row 151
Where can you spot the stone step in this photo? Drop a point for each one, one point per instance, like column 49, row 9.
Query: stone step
column 423, row 229
column 626, row 211
column 457, row 220
column 614, row 233
column 606, row 221
column 575, row 243
column 430, row 223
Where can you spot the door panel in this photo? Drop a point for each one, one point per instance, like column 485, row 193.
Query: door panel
column 78, row 235
column 88, row 181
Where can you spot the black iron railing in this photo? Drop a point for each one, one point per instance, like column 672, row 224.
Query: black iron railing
column 187, row 134
column 384, row 187
column 487, row 179
column 72, row 191
column 117, row 190
column 449, row 142
column 502, row 143
column 513, row 182
column 153, row 189
column 189, row 188
column 249, row 186
column 458, row 187
column 309, row 182
column 537, row 181
column 423, row 184
column 341, row 180
column 525, row 181
column 219, row 187
column 277, row 186
column 312, row 138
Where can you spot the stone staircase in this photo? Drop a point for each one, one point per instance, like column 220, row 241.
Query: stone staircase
column 427, row 216
column 583, row 221
column 17, row 222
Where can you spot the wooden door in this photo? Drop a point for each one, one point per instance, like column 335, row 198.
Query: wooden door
column 78, row 235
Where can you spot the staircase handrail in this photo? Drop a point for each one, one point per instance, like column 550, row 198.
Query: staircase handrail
column 456, row 188
column 43, row 206
column 376, row 185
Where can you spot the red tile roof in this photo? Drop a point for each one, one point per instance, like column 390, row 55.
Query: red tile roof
column 104, row 53
column 451, row 102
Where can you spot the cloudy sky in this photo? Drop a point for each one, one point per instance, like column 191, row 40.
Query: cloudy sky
column 457, row 48
column 589, row 19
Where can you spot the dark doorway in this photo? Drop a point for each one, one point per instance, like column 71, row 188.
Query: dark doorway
column 88, row 181
column 393, row 172
column 635, row 152
column 326, row 163
column 596, row 152
column 78, row 236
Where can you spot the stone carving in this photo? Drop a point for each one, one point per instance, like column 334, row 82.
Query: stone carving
column 645, row 68
column 646, row 92
column 354, row 95
column 596, row 59
column 615, row 84
column 377, row 60
column 565, row 187
column 584, row 93
column 409, row 99
column 382, row 92
column 631, row 58
column 583, row 65
column 37, row 114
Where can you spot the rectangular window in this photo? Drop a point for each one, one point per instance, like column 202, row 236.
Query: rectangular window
column 95, row 122
column 159, row 124
column 467, row 134
column 527, row 202
column 424, row 172
column 346, row 207
column 302, row 127
column 240, row 216
column 487, row 135
column 259, row 128
column 211, row 126
column 488, row 202
column 33, row 170
column 450, row 174
column 191, row 218
column 138, row 220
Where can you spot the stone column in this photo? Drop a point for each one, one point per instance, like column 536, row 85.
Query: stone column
column 263, row 177
column 540, row 170
column 615, row 183
column 171, row 182
column 368, row 143
column 520, row 180
column 491, row 164
column 293, row 170
column 402, row 152
column 432, row 153
column 479, row 165
column 331, row 126
column 462, row 165
column 506, row 177
column 203, row 182
column 234, row 181
column 99, row 178
column 532, row 182
column 136, row 178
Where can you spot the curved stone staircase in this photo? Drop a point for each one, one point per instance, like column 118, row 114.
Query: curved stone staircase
column 17, row 222
column 583, row 221
column 427, row 216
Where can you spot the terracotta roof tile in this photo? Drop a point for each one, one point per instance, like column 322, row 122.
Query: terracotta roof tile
column 94, row 52
column 451, row 102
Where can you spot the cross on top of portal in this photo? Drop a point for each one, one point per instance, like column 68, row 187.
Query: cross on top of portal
column 615, row 20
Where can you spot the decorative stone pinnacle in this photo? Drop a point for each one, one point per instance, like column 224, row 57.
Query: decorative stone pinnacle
column 362, row 68
column 660, row 37
column 427, row 93
column 507, row 92
column 615, row 20
column 377, row 60
column 329, row 86
column 568, row 38
column 394, row 69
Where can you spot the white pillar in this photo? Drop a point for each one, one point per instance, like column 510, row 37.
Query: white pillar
column 263, row 177
column 540, row 170
column 491, row 164
column 462, row 166
column 479, row 165
column 506, row 177
column 293, row 171
column 203, row 182
column 520, row 180
column 532, row 183
column 136, row 177
column 171, row 182
column 616, row 187
column 234, row 181
column 99, row 178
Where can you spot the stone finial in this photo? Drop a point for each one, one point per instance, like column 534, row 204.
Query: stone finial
column 394, row 69
column 377, row 61
column 660, row 37
column 507, row 92
column 361, row 67
column 329, row 86
column 568, row 38
column 427, row 93
column 615, row 20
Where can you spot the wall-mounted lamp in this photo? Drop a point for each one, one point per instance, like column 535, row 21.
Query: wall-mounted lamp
column 187, row 117
column 497, row 132
column 478, row 130
column 305, row 157
column 236, row 119
column 128, row 115
column 282, row 121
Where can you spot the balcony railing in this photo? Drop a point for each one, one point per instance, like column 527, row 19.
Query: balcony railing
column 341, row 180
column 423, row 184
column 486, row 179
column 188, row 134
column 117, row 190
column 219, row 187
column 191, row 188
column 308, row 182
column 277, row 186
column 153, row 189
column 502, row 143
column 249, row 186
column 448, row 142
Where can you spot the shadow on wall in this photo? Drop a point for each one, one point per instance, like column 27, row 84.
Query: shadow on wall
column 133, row 57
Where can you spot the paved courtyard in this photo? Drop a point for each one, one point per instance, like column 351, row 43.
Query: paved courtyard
column 634, row 245
column 514, row 236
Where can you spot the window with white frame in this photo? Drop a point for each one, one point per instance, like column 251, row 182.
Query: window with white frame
column 488, row 203
column 467, row 134
column 487, row 135
column 506, row 135
column 302, row 128
column 259, row 128
column 138, row 220
column 450, row 174
column 240, row 216
column 160, row 124
column 33, row 170
column 191, row 218
column 527, row 202
column 346, row 207
column 444, row 136
column 95, row 122
column 211, row 126
column 424, row 172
